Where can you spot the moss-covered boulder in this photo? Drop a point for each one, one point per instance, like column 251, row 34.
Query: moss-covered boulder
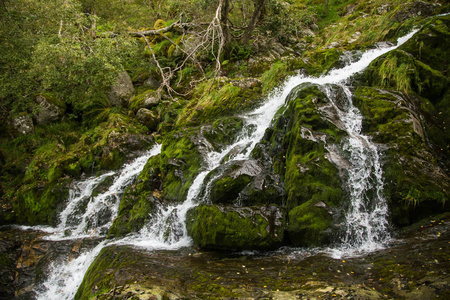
column 299, row 144
column 236, row 228
column 181, row 160
column 244, row 183
column 48, row 109
column 148, row 99
column 121, row 92
column 415, row 179
column 148, row 118
column 310, row 224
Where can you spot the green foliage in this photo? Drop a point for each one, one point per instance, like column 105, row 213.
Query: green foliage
column 396, row 75
column 210, row 103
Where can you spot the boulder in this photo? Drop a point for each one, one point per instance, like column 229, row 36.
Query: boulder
column 121, row 92
column 148, row 99
column 310, row 224
column 48, row 110
column 236, row 228
column 148, row 118
column 417, row 8
column 23, row 124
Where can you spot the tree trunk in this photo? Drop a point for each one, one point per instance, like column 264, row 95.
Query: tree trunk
column 259, row 7
column 224, row 22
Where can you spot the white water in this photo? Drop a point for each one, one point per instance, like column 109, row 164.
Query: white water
column 102, row 208
column 168, row 226
column 67, row 275
column 167, row 229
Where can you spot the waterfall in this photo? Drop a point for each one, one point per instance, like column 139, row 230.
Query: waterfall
column 93, row 219
column 366, row 220
column 66, row 275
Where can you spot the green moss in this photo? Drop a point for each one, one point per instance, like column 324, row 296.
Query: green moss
column 137, row 203
column 224, row 131
column 37, row 203
column 226, row 189
column 100, row 275
column 321, row 61
column 272, row 77
column 310, row 225
column 180, row 163
column 138, row 101
column 431, row 45
column 216, row 227
column 300, row 161
column 210, row 102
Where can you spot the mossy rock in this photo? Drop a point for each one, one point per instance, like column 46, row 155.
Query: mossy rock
column 431, row 45
column 104, row 271
column 181, row 161
column 148, row 99
column 300, row 159
column 138, row 201
column 213, row 100
column 236, row 228
column 398, row 70
column 38, row 204
column 416, row 183
column 223, row 131
column 310, row 224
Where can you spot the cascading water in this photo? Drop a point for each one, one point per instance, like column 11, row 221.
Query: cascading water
column 66, row 276
column 366, row 224
column 366, row 221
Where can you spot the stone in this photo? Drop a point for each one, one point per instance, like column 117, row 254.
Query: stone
column 121, row 92
column 236, row 228
column 47, row 111
column 417, row 8
column 147, row 118
column 23, row 124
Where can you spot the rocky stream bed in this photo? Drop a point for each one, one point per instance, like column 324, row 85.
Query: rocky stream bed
column 415, row 266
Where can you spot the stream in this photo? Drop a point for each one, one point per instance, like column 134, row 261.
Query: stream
column 93, row 204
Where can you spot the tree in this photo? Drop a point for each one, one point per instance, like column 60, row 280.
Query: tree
column 259, row 6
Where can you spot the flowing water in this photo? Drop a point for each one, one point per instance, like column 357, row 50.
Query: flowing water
column 366, row 220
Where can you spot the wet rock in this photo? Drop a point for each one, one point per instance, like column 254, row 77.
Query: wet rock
column 121, row 92
column 236, row 228
column 22, row 124
column 148, row 118
column 414, row 181
column 48, row 110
